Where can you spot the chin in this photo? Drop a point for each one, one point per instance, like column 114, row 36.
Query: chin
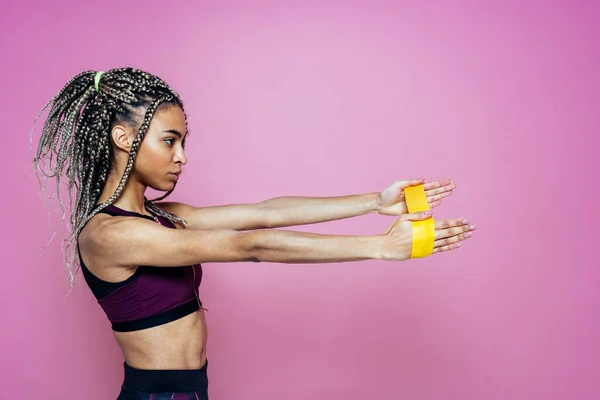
column 163, row 187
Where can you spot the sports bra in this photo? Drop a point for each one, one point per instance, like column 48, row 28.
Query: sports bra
column 152, row 296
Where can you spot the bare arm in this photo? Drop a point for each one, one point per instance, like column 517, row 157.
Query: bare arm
column 292, row 211
column 298, row 247
column 133, row 241
column 275, row 213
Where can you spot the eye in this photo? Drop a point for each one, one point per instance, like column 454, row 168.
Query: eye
column 169, row 141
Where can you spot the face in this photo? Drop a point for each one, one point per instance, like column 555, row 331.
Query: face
column 161, row 156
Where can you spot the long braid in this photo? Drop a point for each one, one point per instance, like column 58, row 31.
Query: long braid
column 76, row 143
column 132, row 154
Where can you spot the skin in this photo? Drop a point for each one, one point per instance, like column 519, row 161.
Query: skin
column 180, row 344
column 112, row 247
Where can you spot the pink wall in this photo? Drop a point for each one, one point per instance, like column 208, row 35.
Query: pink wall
column 335, row 99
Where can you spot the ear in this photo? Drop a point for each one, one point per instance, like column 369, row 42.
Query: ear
column 121, row 138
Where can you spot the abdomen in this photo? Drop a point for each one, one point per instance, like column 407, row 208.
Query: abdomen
column 180, row 344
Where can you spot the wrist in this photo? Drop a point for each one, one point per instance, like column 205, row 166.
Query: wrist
column 378, row 247
column 371, row 203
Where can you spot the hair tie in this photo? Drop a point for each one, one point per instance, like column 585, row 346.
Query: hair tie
column 97, row 80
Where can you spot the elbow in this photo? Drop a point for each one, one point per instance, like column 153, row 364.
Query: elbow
column 252, row 246
column 268, row 217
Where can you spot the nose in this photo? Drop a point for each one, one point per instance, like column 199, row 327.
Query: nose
column 180, row 157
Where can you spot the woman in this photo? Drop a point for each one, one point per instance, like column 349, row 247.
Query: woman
column 112, row 135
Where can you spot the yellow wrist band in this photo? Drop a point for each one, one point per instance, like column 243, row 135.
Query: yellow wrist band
column 423, row 232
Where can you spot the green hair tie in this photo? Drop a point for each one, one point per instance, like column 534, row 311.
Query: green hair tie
column 97, row 80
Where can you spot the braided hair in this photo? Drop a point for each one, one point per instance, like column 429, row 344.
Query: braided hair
column 76, row 143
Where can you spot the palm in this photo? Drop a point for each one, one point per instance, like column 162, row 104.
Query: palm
column 448, row 235
column 391, row 201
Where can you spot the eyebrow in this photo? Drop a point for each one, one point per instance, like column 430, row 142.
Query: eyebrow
column 174, row 132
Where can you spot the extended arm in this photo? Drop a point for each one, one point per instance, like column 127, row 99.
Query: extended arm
column 274, row 213
column 134, row 241
column 128, row 242
column 292, row 211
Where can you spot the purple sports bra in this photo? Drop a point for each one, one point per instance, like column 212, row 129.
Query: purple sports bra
column 152, row 296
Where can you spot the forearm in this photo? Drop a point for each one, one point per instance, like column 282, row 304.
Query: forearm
column 290, row 211
column 299, row 247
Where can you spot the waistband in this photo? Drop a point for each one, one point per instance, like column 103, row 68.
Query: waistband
column 165, row 381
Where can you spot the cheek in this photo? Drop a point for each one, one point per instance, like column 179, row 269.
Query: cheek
column 151, row 156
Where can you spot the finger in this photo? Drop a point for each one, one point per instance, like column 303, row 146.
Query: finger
column 452, row 240
column 437, row 184
column 435, row 203
column 450, row 223
column 418, row 216
column 438, row 196
column 446, row 233
column 439, row 189
column 446, row 248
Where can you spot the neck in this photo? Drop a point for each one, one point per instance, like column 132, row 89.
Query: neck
column 132, row 196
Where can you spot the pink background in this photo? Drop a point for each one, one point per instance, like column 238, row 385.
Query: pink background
column 325, row 99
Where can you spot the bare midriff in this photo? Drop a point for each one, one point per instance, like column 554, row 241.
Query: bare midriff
column 180, row 344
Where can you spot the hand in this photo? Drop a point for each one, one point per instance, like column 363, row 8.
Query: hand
column 448, row 235
column 391, row 200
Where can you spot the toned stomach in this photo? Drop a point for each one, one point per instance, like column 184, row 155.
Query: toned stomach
column 180, row 344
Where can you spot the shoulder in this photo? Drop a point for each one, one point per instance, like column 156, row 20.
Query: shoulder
column 124, row 241
column 180, row 209
column 103, row 230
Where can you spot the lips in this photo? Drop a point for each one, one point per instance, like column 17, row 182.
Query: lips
column 175, row 175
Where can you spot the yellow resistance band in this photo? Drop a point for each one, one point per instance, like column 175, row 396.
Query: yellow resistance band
column 423, row 232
